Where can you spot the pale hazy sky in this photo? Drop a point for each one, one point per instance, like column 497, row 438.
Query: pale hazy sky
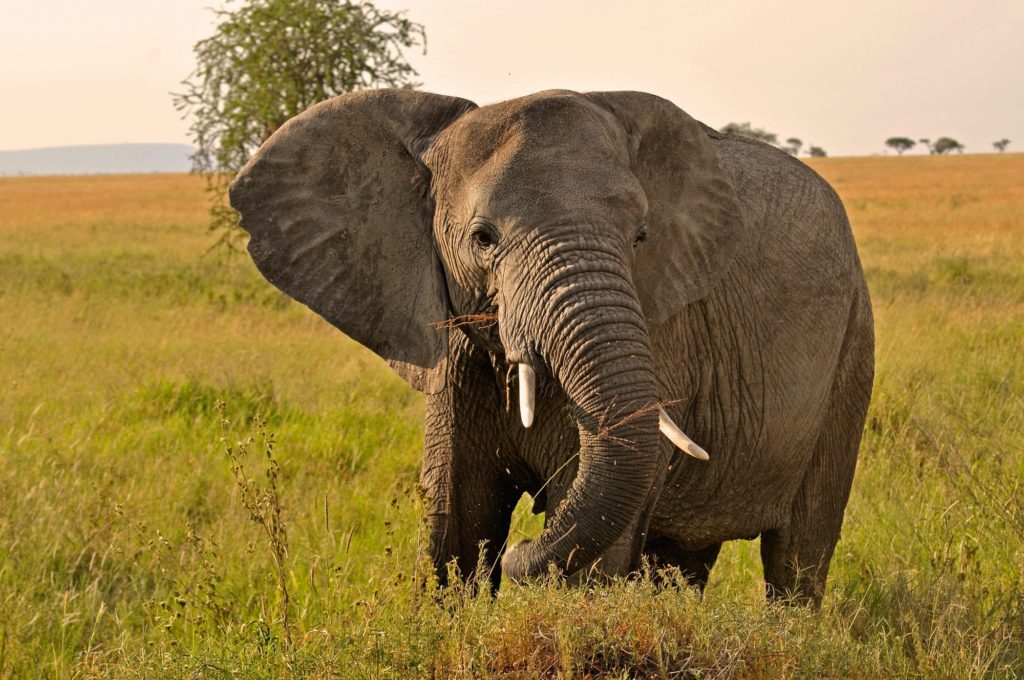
column 842, row 75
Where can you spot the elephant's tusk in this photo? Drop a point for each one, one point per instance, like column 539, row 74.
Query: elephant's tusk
column 527, row 390
column 678, row 437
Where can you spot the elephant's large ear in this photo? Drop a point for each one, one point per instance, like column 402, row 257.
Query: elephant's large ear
column 694, row 220
column 336, row 205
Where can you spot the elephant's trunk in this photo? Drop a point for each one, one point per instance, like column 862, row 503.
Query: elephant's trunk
column 592, row 336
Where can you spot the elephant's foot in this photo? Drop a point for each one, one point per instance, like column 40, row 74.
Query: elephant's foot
column 792, row 576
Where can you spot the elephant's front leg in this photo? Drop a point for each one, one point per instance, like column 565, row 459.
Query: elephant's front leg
column 469, row 488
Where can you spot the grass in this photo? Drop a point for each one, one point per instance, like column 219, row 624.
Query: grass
column 146, row 531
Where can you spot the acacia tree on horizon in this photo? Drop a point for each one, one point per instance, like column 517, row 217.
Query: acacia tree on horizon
column 269, row 60
column 944, row 145
column 901, row 144
column 1001, row 144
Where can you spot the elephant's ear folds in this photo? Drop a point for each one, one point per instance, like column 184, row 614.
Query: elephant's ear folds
column 336, row 206
column 694, row 220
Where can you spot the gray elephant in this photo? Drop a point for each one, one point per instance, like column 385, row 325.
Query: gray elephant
column 617, row 268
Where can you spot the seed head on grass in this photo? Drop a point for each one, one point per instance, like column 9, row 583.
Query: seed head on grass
column 263, row 503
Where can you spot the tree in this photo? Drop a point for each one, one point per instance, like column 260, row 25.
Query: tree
column 793, row 145
column 269, row 60
column 901, row 144
column 947, row 144
column 1001, row 144
column 746, row 130
column 817, row 152
column 928, row 143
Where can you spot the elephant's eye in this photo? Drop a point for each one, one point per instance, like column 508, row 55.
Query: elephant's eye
column 483, row 238
column 641, row 236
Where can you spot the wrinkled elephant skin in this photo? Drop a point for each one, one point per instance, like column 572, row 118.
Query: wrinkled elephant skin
column 566, row 277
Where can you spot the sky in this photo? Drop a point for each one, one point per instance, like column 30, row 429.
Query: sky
column 842, row 75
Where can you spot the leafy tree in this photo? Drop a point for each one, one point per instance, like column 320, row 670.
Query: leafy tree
column 928, row 143
column 269, row 60
column 947, row 144
column 747, row 130
column 1001, row 144
column 816, row 152
column 901, row 144
column 793, row 145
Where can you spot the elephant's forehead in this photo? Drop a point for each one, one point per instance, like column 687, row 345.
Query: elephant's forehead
column 535, row 130
column 548, row 152
column 535, row 188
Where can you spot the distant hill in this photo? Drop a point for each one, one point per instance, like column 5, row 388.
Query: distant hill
column 97, row 159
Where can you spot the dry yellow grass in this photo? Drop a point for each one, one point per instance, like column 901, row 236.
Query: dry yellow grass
column 906, row 206
column 103, row 213
column 949, row 196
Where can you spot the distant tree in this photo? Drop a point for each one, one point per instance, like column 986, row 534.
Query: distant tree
column 816, row 152
column 1001, row 145
column 928, row 143
column 947, row 144
column 793, row 145
column 901, row 144
column 269, row 60
column 747, row 130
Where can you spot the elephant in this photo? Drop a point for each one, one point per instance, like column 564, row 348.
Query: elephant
column 621, row 272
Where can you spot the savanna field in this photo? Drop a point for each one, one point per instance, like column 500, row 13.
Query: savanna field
column 202, row 479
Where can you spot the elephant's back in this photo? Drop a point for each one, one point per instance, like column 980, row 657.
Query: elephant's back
column 788, row 206
column 799, row 262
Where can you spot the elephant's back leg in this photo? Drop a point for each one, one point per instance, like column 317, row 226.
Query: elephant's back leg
column 796, row 556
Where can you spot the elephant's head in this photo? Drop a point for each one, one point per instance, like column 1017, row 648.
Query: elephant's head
column 579, row 220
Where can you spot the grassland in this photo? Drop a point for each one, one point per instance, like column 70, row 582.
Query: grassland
column 133, row 545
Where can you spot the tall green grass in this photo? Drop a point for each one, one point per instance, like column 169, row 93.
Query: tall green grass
column 181, row 448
